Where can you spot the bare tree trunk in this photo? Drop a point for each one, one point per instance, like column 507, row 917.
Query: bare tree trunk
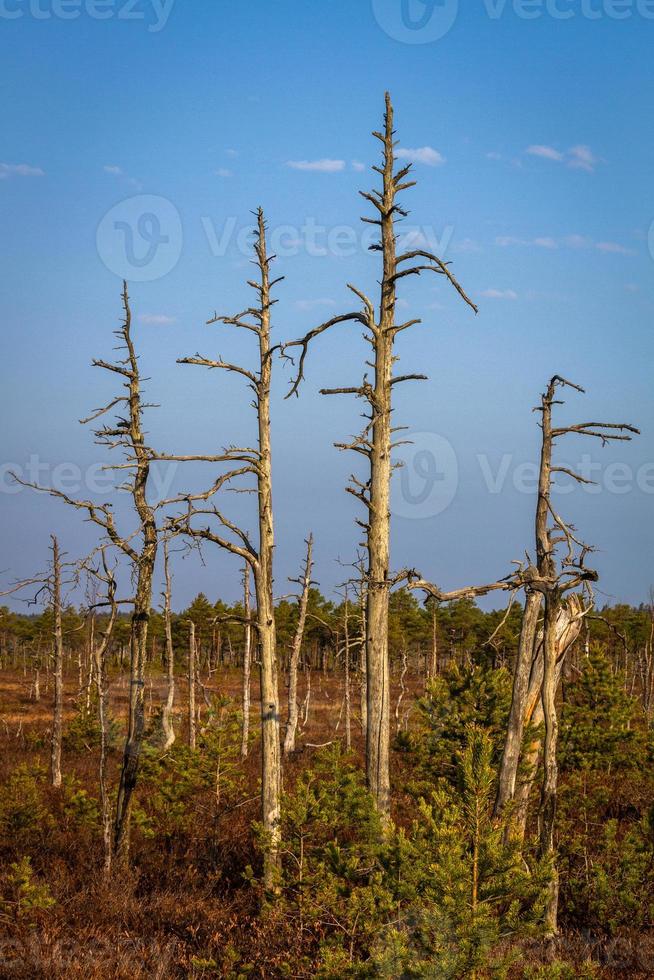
column 191, row 685
column 167, row 712
column 400, row 697
column 99, row 654
column 305, row 581
column 144, row 562
column 247, row 665
column 549, row 791
column 516, row 722
column 348, row 707
column 58, row 667
column 567, row 630
column 271, row 776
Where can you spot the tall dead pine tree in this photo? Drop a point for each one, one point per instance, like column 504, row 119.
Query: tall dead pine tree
column 375, row 443
column 256, row 462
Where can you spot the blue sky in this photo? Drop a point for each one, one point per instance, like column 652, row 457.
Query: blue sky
column 534, row 157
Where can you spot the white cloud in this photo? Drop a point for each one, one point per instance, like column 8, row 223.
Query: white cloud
column 579, row 157
column 569, row 241
column 613, row 247
column 325, row 166
column 223, row 172
column 156, row 319
column 500, row 294
column 582, row 158
column 358, row 166
column 578, row 241
column 505, row 240
column 632, row 287
column 231, row 152
column 305, row 305
column 110, row 168
column 493, row 155
column 19, row 170
column 421, row 154
column 546, row 152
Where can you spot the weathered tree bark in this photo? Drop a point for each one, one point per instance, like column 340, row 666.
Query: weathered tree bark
column 376, row 443
column 568, row 628
column 191, row 684
column 58, row 667
column 517, row 714
column 167, row 711
column 293, row 708
column 247, row 663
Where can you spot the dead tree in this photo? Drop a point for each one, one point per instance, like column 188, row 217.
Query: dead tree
column 346, row 679
column 540, row 660
column 247, row 662
column 58, row 668
column 99, row 653
column 376, row 442
column 139, row 546
column 305, row 582
column 191, row 684
column 256, row 462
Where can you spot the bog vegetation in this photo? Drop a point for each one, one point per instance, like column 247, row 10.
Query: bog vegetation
column 386, row 783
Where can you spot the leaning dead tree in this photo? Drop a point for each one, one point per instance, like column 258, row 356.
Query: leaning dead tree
column 125, row 432
column 293, row 708
column 257, row 463
column 560, row 569
column 375, row 444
